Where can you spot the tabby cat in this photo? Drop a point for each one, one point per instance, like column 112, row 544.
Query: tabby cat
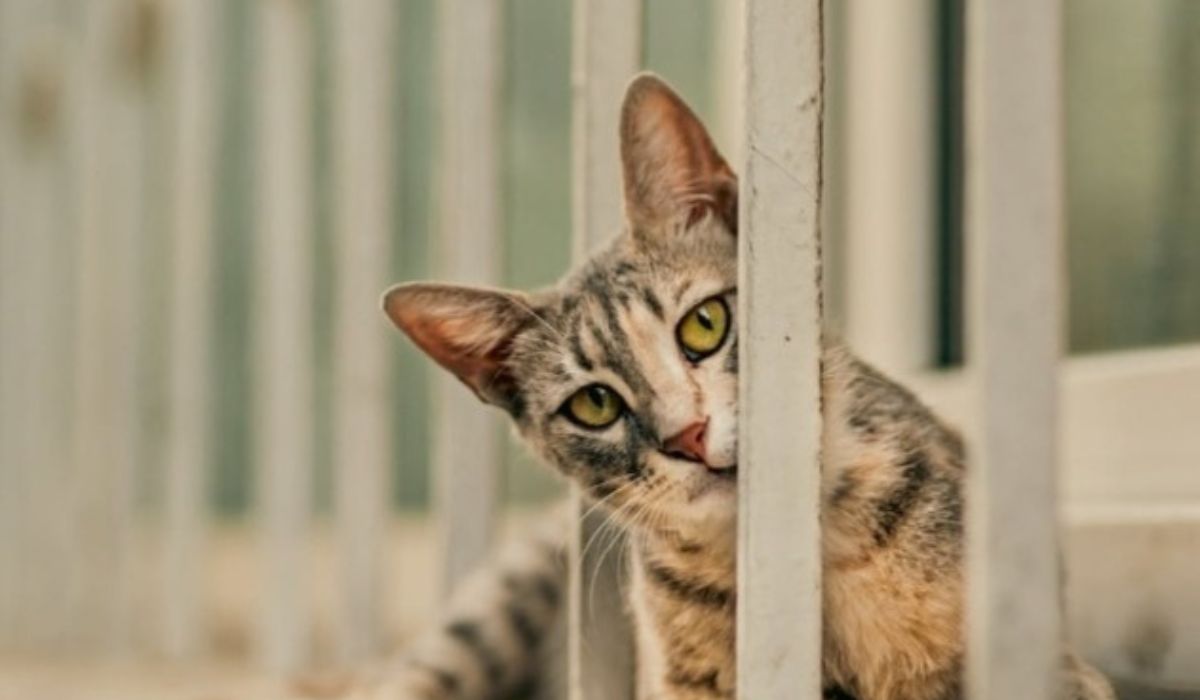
column 624, row 379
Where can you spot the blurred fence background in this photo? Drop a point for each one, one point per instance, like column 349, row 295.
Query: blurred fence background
column 203, row 417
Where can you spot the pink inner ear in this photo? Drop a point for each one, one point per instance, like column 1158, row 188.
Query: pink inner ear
column 671, row 165
column 468, row 331
column 721, row 202
column 448, row 341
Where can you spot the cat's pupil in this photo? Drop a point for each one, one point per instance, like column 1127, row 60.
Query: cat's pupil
column 596, row 396
column 705, row 319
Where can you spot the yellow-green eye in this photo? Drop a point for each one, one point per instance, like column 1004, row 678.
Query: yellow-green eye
column 594, row 406
column 702, row 331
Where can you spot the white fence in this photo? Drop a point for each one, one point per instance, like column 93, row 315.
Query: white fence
column 85, row 197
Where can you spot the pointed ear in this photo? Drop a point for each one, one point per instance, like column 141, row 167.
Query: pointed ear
column 468, row 331
column 670, row 166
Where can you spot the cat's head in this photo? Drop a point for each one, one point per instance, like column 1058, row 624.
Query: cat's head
column 624, row 376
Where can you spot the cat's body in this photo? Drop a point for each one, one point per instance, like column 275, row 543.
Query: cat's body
column 892, row 542
column 624, row 378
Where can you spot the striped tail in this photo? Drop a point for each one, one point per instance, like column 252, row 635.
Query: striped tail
column 494, row 633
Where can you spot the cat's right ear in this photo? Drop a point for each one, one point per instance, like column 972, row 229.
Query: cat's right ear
column 467, row 330
column 671, row 169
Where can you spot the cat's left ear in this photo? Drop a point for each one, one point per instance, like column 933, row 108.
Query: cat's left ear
column 467, row 330
column 670, row 166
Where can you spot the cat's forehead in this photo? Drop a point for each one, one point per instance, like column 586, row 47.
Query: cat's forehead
column 636, row 266
column 596, row 314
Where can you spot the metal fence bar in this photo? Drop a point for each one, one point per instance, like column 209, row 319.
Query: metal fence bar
column 888, row 200
column 606, row 52
column 284, row 345
column 466, row 435
column 191, row 44
column 364, row 120
column 1014, row 169
column 779, row 546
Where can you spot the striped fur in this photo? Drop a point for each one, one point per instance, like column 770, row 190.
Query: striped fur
column 892, row 472
column 492, row 634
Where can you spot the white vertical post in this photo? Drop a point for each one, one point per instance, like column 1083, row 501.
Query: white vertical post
column 43, row 229
column 191, row 70
column 9, row 318
column 11, row 356
column 1014, row 169
column 33, row 247
column 889, row 195
column 779, row 545
column 607, row 47
column 284, row 329
column 466, row 448
column 729, row 33
column 107, row 125
column 363, row 123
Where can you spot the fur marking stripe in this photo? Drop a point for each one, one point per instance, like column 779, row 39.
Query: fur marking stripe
column 694, row 591
column 892, row 510
column 468, row 634
column 523, row 626
column 694, row 681
column 653, row 303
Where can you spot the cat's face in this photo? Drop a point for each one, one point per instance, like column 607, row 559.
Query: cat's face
column 624, row 377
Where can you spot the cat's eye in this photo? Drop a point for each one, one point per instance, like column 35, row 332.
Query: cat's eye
column 703, row 329
column 594, row 406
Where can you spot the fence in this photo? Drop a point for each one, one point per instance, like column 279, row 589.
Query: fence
column 83, row 205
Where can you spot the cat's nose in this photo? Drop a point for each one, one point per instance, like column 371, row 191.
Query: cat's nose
column 689, row 442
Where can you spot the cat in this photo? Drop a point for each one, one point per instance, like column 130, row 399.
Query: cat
column 624, row 379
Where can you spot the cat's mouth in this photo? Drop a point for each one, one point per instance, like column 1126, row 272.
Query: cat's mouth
column 722, row 473
column 712, row 478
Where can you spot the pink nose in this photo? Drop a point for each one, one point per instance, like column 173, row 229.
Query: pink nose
column 689, row 442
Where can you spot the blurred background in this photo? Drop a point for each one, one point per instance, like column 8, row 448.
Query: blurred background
column 201, row 200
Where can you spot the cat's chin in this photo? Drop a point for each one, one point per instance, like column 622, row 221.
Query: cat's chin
column 714, row 502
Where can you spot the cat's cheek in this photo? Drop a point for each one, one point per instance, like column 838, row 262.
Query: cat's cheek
column 722, row 437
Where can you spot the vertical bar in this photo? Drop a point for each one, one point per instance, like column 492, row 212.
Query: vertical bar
column 106, row 432
column 33, row 91
column 727, row 75
column 284, row 362
column 1014, row 166
column 12, row 512
column 889, row 180
column 191, row 68
column 779, row 546
column 467, row 471
column 9, row 319
column 364, row 119
column 606, row 52
column 43, row 227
